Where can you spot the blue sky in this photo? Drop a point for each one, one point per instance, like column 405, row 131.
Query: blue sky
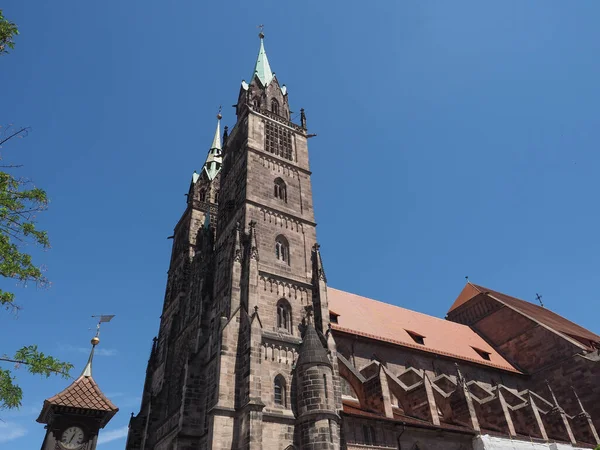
column 454, row 138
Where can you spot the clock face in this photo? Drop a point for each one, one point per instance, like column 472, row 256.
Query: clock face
column 72, row 438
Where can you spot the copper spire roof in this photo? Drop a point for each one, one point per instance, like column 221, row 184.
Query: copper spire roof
column 534, row 312
column 262, row 68
column 384, row 322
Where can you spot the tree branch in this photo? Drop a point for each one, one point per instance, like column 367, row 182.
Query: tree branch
column 14, row 361
column 24, row 129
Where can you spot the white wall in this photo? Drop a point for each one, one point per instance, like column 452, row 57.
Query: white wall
column 487, row 442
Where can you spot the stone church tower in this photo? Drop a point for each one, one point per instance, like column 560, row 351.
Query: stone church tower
column 244, row 358
column 255, row 351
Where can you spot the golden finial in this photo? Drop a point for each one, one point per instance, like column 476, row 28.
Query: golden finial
column 219, row 116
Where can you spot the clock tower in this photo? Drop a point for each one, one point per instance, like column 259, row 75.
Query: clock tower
column 74, row 416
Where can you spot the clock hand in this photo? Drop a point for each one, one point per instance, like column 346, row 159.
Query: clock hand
column 71, row 438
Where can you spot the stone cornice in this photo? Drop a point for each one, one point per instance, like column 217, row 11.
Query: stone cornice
column 285, row 279
column 281, row 213
column 282, row 161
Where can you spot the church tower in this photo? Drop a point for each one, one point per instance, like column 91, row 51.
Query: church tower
column 75, row 416
column 244, row 271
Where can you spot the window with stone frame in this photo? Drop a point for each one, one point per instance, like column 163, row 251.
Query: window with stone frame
column 347, row 389
column 284, row 316
column 278, row 139
column 282, row 250
column 202, row 195
column 275, row 106
column 280, row 189
column 279, row 391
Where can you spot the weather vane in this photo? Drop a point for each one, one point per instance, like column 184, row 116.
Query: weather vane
column 101, row 319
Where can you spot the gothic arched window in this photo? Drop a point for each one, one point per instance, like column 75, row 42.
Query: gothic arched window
column 280, row 189
column 202, row 195
column 284, row 315
column 282, row 249
column 279, row 391
column 256, row 103
column 275, row 107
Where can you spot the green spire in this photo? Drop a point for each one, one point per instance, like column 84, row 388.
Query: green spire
column 214, row 158
column 262, row 70
column 216, row 143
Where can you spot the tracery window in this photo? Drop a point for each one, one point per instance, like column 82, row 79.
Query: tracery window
column 274, row 107
column 284, row 315
column 279, row 391
column 282, row 250
column 278, row 140
column 280, row 189
column 202, row 195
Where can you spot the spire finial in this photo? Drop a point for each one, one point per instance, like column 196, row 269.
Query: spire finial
column 261, row 34
column 219, row 116
column 87, row 370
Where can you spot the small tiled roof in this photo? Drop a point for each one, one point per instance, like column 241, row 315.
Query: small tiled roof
column 535, row 312
column 83, row 393
column 382, row 321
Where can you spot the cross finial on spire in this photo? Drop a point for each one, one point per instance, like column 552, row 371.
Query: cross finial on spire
column 538, row 297
column 219, row 116
column 262, row 31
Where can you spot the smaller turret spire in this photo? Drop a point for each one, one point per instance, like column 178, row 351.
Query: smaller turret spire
column 216, row 143
column 214, row 158
column 262, row 69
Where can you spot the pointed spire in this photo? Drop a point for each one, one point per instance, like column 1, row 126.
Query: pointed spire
column 87, row 370
column 318, row 264
column 253, row 243
column 262, row 69
column 216, row 143
column 237, row 256
column 212, row 166
column 312, row 351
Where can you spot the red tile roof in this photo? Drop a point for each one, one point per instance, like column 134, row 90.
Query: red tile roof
column 384, row 322
column 535, row 312
column 83, row 393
